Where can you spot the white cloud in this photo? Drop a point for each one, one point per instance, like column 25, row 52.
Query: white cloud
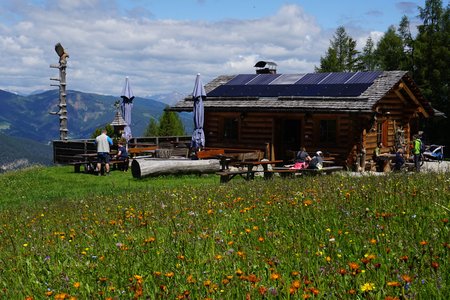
column 159, row 56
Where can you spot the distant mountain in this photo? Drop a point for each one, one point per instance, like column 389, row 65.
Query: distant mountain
column 28, row 116
column 170, row 98
column 19, row 153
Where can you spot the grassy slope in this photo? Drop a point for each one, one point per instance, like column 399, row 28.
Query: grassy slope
column 330, row 236
column 40, row 184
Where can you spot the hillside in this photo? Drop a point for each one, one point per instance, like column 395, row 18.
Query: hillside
column 18, row 153
column 28, row 116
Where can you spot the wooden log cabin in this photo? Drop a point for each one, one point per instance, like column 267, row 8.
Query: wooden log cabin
column 337, row 113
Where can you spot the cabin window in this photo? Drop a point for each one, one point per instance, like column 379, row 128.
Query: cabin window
column 328, row 131
column 230, row 128
column 382, row 132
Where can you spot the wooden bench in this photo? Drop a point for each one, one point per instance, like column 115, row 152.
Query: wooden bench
column 227, row 175
column 284, row 172
column 119, row 164
column 77, row 166
column 212, row 153
column 89, row 166
column 141, row 150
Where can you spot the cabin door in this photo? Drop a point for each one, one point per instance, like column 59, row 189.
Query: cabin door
column 286, row 137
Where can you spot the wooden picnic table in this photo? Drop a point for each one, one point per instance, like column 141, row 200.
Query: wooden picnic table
column 89, row 161
column 247, row 172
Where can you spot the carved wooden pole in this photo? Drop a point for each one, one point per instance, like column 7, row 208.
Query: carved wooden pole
column 63, row 55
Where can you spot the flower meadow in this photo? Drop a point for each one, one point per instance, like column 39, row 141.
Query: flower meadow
column 323, row 237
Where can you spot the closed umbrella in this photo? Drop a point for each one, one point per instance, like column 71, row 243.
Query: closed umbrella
column 126, row 106
column 198, row 95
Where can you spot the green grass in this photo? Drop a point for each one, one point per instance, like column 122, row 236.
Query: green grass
column 189, row 237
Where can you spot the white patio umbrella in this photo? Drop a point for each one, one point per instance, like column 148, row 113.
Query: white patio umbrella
column 126, row 106
column 198, row 95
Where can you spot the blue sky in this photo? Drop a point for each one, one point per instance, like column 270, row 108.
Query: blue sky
column 162, row 44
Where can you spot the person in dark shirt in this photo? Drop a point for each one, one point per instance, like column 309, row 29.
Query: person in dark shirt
column 122, row 153
column 317, row 161
column 301, row 159
column 399, row 160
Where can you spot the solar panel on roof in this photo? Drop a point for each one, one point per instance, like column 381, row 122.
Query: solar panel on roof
column 296, row 90
column 364, row 77
column 287, row 79
column 312, row 78
column 264, row 79
column 337, row 78
column 241, row 79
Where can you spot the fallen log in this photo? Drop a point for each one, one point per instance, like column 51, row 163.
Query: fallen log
column 142, row 167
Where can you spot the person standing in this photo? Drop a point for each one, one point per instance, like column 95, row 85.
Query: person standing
column 416, row 150
column 103, row 142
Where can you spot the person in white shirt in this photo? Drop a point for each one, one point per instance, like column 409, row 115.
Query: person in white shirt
column 103, row 142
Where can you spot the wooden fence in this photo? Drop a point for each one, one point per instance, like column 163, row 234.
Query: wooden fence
column 65, row 152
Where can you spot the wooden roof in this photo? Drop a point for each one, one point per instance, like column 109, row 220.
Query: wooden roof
column 224, row 95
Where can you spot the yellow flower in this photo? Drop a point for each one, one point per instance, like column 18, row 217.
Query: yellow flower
column 367, row 287
column 76, row 285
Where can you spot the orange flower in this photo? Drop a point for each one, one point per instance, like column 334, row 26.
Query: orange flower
column 435, row 265
column 423, row 243
column 169, row 274
column 353, row 266
column 149, row 240
column 207, row 282
column 239, row 272
column 275, row 276
column 314, row 291
column 292, row 290
column 296, row 284
column 404, row 258
column 342, row 271
column 190, row 279
column 394, row 283
column 307, row 202
column 76, row 284
column 261, row 239
column 352, row 292
column 391, row 298
column 262, row 290
column 406, row 278
column 252, row 278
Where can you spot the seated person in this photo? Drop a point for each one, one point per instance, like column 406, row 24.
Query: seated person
column 301, row 159
column 378, row 157
column 317, row 161
column 399, row 159
column 122, row 154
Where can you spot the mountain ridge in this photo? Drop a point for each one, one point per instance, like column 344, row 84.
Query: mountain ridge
column 26, row 120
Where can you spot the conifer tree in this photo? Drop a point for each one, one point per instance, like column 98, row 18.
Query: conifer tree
column 342, row 55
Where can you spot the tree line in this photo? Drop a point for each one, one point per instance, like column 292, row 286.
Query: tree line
column 425, row 55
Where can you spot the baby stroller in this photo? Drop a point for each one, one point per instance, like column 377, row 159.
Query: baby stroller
column 434, row 152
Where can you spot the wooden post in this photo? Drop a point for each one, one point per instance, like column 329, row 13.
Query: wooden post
column 63, row 55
